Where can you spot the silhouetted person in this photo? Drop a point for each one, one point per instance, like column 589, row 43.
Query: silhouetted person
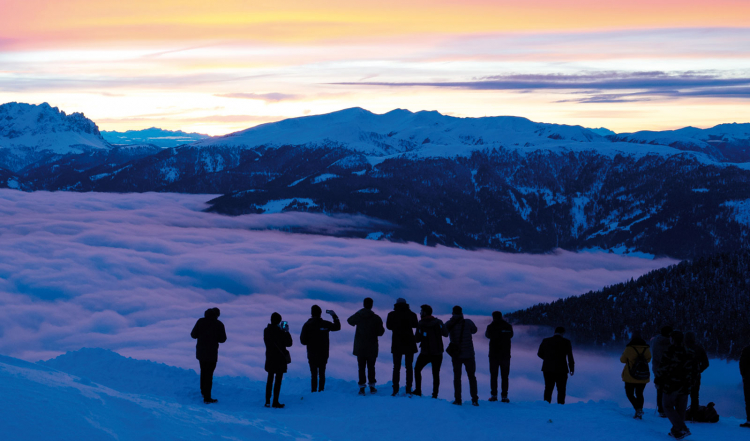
column 635, row 374
column 499, row 332
column 659, row 345
column 557, row 353
column 460, row 332
column 369, row 328
column 676, row 381
column 277, row 338
column 314, row 335
column 745, row 372
column 429, row 334
column 701, row 364
column 210, row 332
column 402, row 322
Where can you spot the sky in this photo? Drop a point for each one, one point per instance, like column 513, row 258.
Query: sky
column 133, row 272
column 222, row 66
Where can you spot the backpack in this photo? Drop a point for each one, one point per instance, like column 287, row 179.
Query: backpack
column 639, row 369
column 703, row 414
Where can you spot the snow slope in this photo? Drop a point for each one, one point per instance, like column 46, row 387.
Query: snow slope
column 42, row 127
column 430, row 134
column 93, row 394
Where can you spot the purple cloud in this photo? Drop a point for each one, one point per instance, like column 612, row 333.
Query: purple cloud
column 268, row 97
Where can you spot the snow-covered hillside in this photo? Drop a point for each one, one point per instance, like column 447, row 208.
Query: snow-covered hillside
column 28, row 131
column 153, row 136
column 93, row 394
column 431, row 134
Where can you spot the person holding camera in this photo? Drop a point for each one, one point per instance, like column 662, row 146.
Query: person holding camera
column 315, row 336
column 461, row 350
column 209, row 331
column 277, row 338
column 369, row 328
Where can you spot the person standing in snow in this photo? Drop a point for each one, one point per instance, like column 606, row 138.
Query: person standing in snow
column 701, row 364
column 276, row 338
column 659, row 345
column 635, row 374
column 461, row 350
column 745, row 373
column 429, row 334
column 314, row 335
column 402, row 321
column 369, row 328
column 676, row 377
column 209, row 331
column 499, row 332
column 557, row 355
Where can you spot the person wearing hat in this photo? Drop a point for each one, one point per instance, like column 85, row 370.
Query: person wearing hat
column 402, row 321
column 209, row 331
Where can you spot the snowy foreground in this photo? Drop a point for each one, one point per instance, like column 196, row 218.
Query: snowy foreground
column 95, row 394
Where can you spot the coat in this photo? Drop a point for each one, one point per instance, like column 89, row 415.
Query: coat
column 460, row 331
column 659, row 345
column 276, row 340
column 369, row 328
column 677, row 370
column 557, row 355
column 745, row 364
column 402, row 322
column 629, row 356
column 429, row 335
column 499, row 332
column 314, row 335
column 209, row 331
column 701, row 360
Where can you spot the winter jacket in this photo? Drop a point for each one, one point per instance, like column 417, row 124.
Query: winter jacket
column 659, row 345
column 314, row 335
column 629, row 357
column 461, row 330
column 701, row 359
column 677, row 370
column 276, row 340
column 209, row 331
column 745, row 363
column 499, row 332
column 429, row 335
column 369, row 328
column 557, row 355
column 402, row 321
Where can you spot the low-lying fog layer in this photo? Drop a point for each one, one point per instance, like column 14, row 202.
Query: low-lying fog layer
column 133, row 272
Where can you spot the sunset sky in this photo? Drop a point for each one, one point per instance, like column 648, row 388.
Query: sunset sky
column 220, row 66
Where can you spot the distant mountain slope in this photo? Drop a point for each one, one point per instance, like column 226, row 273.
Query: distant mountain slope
column 710, row 296
column 30, row 132
column 153, row 136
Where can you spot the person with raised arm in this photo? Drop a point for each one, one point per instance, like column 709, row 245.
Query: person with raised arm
column 277, row 339
column 402, row 321
column 314, row 335
column 369, row 327
column 209, row 331
column 499, row 332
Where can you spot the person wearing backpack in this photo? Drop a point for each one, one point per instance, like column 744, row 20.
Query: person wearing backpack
column 276, row 338
column 636, row 374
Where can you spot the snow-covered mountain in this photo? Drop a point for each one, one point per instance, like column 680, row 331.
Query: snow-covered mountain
column 94, row 394
column 30, row 132
column 153, row 136
column 431, row 134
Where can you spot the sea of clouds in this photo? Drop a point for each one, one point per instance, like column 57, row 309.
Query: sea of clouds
column 133, row 272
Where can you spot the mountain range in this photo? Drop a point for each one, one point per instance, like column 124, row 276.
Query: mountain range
column 504, row 183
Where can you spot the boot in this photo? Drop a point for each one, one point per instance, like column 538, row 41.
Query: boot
column 209, row 400
column 395, row 391
column 457, row 403
column 373, row 390
column 361, row 391
column 277, row 405
column 475, row 402
column 417, row 393
column 505, row 400
column 493, row 398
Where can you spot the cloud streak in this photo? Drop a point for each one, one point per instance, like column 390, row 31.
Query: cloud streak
column 267, row 97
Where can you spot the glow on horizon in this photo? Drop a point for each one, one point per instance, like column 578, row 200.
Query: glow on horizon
column 218, row 67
